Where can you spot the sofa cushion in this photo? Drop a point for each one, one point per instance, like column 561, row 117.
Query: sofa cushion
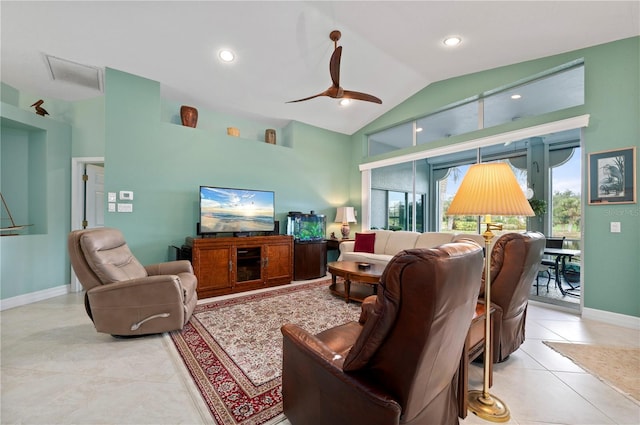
column 382, row 236
column 365, row 242
column 433, row 239
column 479, row 239
column 399, row 241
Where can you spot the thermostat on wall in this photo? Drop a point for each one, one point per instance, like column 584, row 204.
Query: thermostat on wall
column 126, row 195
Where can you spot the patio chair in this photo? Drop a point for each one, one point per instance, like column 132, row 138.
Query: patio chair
column 548, row 264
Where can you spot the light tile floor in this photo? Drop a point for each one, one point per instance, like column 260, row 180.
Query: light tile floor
column 57, row 370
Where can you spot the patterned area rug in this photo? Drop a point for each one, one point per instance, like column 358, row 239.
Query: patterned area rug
column 617, row 366
column 233, row 348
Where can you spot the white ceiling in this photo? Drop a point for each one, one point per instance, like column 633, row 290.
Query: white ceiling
column 391, row 49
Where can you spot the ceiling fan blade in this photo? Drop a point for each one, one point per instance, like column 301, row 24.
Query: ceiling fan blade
column 335, row 91
column 334, row 66
column 347, row 94
column 324, row 93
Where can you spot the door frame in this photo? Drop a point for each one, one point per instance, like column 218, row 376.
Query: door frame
column 77, row 201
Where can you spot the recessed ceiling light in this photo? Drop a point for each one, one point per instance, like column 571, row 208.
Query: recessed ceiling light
column 516, row 96
column 418, row 130
column 226, row 55
column 452, row 41
column 344, row 102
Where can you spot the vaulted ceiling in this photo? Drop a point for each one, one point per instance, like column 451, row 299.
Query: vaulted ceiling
column 391, row 49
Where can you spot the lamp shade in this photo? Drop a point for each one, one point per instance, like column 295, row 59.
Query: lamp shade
column 345, row 215
column 490, row 189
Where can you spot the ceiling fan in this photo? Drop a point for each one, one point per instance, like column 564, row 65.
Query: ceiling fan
column 335, row 91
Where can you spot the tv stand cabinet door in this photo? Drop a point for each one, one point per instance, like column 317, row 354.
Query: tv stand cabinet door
column 213, row 267
column 279, row 262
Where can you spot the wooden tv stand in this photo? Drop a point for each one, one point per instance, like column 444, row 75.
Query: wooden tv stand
column 238, row 264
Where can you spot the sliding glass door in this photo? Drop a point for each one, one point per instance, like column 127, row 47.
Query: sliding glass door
column 398, row 195
column 565, row 203
column 416, row 194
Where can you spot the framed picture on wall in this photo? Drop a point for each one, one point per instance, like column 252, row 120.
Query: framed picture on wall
column 612, row 177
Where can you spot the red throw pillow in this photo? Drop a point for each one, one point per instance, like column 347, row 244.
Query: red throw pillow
column 365, row 242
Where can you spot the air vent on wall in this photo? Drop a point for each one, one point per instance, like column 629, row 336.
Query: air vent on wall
column 75, row 73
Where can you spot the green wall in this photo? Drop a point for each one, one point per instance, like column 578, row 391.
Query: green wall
column 87, row 121
column 9, row 95
column 164, row 163
column 612, row 98
column 36, row 259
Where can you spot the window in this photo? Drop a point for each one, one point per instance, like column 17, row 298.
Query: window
column 447, row 188
column 558, row 91
column 553, row 90
column 547, row 161
column 397, row 212
column 398, row 137
column 398, row 197
column 459, row 120
column 565, row 187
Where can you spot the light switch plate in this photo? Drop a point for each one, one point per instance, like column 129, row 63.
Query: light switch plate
column 112, row 206
column 125, row 207
column 112, row 198
column 615, row 227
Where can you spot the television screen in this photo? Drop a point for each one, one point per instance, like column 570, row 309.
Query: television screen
column 225, row 210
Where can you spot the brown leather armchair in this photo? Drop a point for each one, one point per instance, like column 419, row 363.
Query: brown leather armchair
column 398, row 364
column 515, row 258
column 124, row 298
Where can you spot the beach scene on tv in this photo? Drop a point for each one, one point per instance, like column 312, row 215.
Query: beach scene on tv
column 235, row 210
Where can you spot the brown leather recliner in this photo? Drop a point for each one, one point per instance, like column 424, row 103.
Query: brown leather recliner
column 397, row 365
column 515, row 258
column 123, row 297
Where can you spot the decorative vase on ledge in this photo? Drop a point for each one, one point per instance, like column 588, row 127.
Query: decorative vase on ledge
column 270, row 136
column 189, row 116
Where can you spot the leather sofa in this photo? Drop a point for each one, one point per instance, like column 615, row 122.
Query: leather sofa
column 398, row 364
column 124, row 298
column 388, row 243
column 515, row 258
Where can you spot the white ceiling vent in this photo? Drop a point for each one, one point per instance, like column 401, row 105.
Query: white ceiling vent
column 72, row 72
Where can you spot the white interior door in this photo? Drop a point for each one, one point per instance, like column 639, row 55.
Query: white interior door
column 94, row 196
column 86, row 193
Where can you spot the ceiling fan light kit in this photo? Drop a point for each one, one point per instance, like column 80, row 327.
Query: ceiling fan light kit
column 336, row 91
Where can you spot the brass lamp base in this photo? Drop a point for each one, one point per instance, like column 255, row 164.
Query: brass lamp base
column 488, row 407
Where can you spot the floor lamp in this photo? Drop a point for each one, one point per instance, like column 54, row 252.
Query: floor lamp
column 489, row 189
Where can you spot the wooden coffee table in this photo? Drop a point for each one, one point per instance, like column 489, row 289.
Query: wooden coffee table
column 351, row 272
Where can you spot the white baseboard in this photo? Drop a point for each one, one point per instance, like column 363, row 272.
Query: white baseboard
column 34, row 297
column 560, row 307
column 617, row 319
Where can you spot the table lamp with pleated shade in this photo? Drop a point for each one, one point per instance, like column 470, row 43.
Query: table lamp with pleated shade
column 345, row 215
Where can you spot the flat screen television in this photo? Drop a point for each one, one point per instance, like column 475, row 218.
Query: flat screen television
column 228, row 210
